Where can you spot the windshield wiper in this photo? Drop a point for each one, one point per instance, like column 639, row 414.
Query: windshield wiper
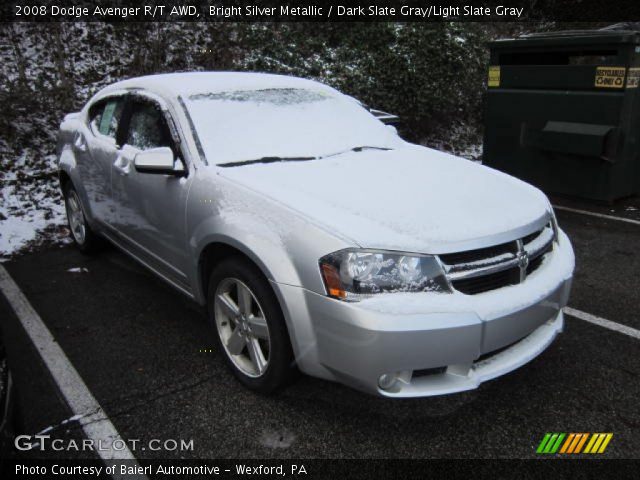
column 355, row 149
column 297, row 159
column 265, row 160
column 368, row 147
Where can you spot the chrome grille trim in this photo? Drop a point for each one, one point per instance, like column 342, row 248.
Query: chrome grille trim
column 492, row 267
column 517, row 255
column 539, row 243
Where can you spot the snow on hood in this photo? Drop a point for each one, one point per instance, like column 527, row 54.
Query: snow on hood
column 412, row 198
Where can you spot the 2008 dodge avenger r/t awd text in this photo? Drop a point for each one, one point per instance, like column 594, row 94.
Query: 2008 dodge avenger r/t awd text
column 318, row 239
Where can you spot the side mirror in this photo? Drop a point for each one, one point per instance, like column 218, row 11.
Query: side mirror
column 157, row 160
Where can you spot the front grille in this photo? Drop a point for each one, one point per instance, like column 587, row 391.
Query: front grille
column 486, row 283
column 490, row 268
column 534, row 264
column 478, row 255
column 531, row 237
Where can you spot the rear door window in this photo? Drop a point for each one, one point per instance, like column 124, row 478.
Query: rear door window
column 95, row 115
column 104, row 117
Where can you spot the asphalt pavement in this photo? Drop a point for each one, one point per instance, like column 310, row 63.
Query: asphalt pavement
column 143, row 350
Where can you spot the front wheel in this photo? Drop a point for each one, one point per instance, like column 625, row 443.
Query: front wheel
column 250, row 328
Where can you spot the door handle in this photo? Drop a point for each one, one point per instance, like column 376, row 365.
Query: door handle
column 80, row 143
column 122, row 166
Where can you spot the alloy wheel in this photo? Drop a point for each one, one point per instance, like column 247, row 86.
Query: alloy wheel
column 76, row 217
column 242, row 327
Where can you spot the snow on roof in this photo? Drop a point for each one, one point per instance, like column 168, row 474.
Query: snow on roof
column 189, row 83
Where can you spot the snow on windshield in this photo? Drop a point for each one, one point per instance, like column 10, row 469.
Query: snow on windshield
column 283, row 122
column 275, row 96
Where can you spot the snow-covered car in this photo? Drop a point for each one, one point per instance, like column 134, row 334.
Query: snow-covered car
column 318, row 239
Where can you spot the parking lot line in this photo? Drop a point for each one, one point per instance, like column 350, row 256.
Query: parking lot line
column 603, row 322
column 94, row 421
column 599, row 215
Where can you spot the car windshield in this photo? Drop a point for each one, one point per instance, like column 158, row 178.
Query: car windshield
column 283, row 123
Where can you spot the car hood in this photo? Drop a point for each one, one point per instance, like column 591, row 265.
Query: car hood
column 411, row 199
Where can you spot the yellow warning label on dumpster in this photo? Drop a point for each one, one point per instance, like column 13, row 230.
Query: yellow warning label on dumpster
column 610, row 77
column 494, row 76
column 633, row 77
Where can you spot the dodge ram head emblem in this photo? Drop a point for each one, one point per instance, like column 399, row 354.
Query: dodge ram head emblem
column 523, row 262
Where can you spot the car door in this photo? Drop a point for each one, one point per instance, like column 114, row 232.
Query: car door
column 95, row 149
column 151, row 206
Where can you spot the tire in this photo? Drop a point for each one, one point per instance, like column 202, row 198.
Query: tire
column 238, row 325
column 10, row 418
column 83, row 236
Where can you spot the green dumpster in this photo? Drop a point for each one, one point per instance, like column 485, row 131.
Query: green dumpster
column 563, row 112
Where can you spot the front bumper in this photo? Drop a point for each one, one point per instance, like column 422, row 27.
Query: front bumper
column 437, row 343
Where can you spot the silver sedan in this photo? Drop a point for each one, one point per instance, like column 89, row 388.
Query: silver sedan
column 318, row 239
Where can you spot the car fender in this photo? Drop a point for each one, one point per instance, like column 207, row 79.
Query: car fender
column 282, row 243
column 278, row 240
column 67, row 162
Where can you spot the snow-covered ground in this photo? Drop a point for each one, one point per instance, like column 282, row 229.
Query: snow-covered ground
column 31, row 207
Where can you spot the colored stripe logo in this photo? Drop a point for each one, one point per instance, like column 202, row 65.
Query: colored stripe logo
column 573, row 443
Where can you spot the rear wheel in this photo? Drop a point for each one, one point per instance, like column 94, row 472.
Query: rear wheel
column 249, row 326
column 83, row 236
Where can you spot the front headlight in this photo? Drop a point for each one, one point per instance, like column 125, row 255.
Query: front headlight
column 355, row 274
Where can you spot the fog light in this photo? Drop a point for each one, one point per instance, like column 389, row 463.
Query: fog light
column 387, row 380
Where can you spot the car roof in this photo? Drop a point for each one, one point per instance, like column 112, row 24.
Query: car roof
column 189, row 83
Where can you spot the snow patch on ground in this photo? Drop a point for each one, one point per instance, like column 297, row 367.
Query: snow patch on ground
column 50, row 428
column 62, row 423
column 31, row 207
column 78, row 270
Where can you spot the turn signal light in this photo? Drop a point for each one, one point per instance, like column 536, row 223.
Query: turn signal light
column 332, row 281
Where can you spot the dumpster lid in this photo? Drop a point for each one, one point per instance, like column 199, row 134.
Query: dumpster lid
column 622, row 26
column 618, row 33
